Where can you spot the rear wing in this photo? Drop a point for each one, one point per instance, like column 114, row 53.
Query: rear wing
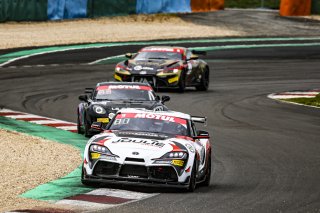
column 199, row 119
column 199, row 52
column 89, row 90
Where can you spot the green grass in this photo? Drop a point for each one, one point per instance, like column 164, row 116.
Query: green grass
column 270, row 4
column 306, row 101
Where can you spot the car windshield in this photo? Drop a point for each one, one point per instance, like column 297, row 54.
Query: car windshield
column 158, row 55
column 150, row 122
column 123, row 92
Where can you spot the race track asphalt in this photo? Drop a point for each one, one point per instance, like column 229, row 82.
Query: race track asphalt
column 266, row 153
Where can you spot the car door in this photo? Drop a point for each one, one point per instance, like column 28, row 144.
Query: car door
column 192, row 72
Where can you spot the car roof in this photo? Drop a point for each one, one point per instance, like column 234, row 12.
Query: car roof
column 122, row 83
column 166, row 113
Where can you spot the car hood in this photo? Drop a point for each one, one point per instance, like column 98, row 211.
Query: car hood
column 140, row 144
column 149, row 66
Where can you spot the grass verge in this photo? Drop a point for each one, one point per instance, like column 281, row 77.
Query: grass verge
column 306, row 101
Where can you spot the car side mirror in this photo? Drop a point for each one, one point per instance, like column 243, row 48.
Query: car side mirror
column 128, row 55
column 194, row 57
column 83, row 98
column 165, row 98
column 202, row 135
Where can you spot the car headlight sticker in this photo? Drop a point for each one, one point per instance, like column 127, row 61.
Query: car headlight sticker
column 99, row 109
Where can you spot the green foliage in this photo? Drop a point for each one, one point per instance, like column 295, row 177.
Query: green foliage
column 307, row 101
column 270, row 4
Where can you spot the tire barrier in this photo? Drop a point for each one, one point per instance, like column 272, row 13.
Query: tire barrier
column 23, row 10
column 295, row 7
column 206, row 5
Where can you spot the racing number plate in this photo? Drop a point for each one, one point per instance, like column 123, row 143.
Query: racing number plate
column 103, row 120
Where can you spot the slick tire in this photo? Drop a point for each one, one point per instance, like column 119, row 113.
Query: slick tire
column 86, row 128
column 182, row 83
column 206, row 182
column 192, row 183
column 204, row 83
column 85, row 182
column 79, row 129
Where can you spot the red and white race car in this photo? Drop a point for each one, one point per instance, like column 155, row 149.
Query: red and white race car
column 144, row 147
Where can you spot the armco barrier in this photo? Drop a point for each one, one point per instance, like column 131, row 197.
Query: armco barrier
column 163, row 6
column 98, row 8
column 295, row 7
column 23, row 10
column 206, row 5
column 65, row 9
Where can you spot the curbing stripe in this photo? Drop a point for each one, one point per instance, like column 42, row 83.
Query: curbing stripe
column 100, row 199
column 84, row 204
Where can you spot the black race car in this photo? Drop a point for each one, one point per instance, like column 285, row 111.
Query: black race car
column 165, row 67
column 101, row 103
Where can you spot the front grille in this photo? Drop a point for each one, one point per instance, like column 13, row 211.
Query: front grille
column 105, row 168
column 135, row 159
column 128, row 170
column 163, row 172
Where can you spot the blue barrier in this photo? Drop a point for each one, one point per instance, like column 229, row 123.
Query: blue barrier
column 76, row 9
column 55, row 9
column 163, row 6
column 66, row 9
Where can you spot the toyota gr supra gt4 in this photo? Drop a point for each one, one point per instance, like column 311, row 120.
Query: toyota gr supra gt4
column 101, row 103
column 147, row 148
column 165, row 67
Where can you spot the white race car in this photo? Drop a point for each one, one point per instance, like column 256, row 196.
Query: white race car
column 142, row 147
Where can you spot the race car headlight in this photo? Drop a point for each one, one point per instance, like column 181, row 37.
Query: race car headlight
column 175, row 155
column 169, row 71
column 100, row 149
column 99, row 109
column 123, row 70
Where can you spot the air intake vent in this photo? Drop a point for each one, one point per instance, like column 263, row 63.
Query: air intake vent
column 135, row 159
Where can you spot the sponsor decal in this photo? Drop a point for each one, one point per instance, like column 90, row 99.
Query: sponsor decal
column 162, row 162
column 163, row 49
column 191, row 149
column 108, row 88
column 177, row 162
column 143, row 72
column 153, row 116
column 108, row 158
column 146, row 134
column 138, row 68
column 151, row 142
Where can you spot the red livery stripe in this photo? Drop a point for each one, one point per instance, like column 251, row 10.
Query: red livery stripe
column 32, row 119
column 10, row 113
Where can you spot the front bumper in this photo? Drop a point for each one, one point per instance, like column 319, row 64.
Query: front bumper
column 156, row 81
column 131, row 174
